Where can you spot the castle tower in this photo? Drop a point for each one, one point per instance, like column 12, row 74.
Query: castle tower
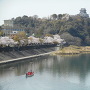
column 83, row 13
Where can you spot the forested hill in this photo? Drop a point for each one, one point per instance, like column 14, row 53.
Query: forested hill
column 74, row 29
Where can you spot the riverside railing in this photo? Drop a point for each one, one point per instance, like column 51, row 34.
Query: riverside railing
column 26, row 47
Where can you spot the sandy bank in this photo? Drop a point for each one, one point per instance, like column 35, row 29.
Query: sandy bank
column 72, row 50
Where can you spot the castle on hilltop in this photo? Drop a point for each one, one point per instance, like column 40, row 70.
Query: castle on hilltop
column 83, row 13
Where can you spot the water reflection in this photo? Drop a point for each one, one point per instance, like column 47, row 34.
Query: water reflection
column 76, row 67
column 73, row 69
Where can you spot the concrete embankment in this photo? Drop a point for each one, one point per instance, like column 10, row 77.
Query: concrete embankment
column 13, row 56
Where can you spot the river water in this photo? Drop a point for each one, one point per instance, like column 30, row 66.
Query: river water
column 50, row 73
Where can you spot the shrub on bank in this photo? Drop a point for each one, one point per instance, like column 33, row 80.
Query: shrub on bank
column 23, row 41
column 72, row 50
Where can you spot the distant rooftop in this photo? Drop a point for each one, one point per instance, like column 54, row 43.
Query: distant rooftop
column 83, row 9
column 8, row 23
column 83, row 13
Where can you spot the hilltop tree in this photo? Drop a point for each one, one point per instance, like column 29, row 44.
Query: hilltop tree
column 54, row 16
column 59, row 16
column 35, row 16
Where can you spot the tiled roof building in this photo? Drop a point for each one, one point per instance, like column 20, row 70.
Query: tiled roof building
column 83, row 13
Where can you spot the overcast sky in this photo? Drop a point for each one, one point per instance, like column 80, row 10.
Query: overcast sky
column 43, row 8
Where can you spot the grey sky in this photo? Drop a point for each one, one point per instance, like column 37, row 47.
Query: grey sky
column 42, row 8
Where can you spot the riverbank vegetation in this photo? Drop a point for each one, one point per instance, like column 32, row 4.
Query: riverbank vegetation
column 72, row 50
column 20, row 39
column 73, row 28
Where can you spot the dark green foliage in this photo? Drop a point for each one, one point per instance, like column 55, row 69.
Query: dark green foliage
column 78, row 28
column 71, row 40
column 54, row 16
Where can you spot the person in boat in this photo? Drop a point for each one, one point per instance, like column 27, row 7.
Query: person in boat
column 29, row 73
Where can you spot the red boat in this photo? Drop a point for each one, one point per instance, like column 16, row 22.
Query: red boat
column 29, row 74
